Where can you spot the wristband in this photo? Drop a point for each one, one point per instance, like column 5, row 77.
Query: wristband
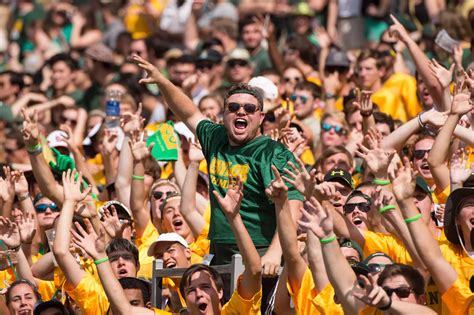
column 330, row 95
column 381, row 182
column 138, row 177
column 413, row 218
column 386, row 208
column 16, row 249
column 420, row 122
column 23, row 197
column 33, row 147
column 388, row 306
column 366, row 114
column 99, row 261
column 328, row 239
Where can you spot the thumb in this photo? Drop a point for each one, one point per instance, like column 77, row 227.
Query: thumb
column 217, row 196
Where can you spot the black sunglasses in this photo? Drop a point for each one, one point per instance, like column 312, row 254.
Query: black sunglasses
column 42, row 207
column 401, row 292
column 240, row 63
column 159, row 194
column 419, row 154
column 248, row 107
column 350, row 207
column 375, row 268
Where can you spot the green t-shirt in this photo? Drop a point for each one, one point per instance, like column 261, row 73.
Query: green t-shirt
column 252, row 162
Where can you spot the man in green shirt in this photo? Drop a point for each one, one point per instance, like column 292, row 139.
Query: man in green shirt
column 235, row 149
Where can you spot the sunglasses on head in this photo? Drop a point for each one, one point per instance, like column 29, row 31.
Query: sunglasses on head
column 350, row 207
column 248, row 107
column 419, row 154
column 303, row 99
column 401, row 292
column 42, row 207
column 159, row 194
column 337, row 129
column 240, row 63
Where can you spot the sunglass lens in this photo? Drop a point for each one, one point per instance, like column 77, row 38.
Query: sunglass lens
column 293, row 98
column 250, row 108
column 349, row 208
column 157, row 194
column 233, row 107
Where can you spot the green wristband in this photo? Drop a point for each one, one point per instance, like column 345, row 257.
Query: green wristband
column 413, row 218
column 34, row 147
column 99, row 261
column 138, row 177
column 381, row 182
column 386, row 208
column 328, row 239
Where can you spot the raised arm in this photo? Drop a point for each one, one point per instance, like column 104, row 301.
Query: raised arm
column 94, row 246
column 277, row 191
column 230, row 205
column 188, row 208
column 7, row 193
column 316, row 261
column 181, row 105
column 66, row 261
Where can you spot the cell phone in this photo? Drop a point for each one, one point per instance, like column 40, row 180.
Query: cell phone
column 446, row 42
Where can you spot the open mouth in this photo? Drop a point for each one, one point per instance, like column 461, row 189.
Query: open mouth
column 178, row 223
column 471, row 221
column 240, row 123
column 170, row 264
column 357, row 221
column 202, row 307
column 425, row 167
column 25, row 312
column 122, row 273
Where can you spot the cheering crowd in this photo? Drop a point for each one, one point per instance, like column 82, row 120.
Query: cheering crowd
column 330, row 143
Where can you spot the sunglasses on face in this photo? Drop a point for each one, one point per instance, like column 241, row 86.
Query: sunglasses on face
column 42, row 207
column 240, row 63
column 291, row 79
column 303, row 99
column 248, row 107
column 159, row 194
column 419, row 154
column 350, row 207
column 337, row 129
column 376, row 268
column 401, row 292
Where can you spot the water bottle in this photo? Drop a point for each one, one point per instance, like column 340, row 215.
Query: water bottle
column 112, row 108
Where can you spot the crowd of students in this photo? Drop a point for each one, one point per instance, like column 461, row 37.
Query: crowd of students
column 328, row 142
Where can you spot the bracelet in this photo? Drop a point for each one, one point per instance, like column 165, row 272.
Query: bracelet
column 16, row 249
column 99, row 261
column 420, row 122
column 366, row 114
column 328, row 239
column 330, row 95
column 386, row 208
column 413, row 218
column 138, row 177
column 23, row 197
column 381, row 182
column 35, row 152
column 388, row 306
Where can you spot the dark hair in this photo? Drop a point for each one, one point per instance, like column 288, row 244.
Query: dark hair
column 411, row 275
column 121, row 244
column 16, row 78
column 371, row 53
column 244, row 88
column 382, row 118
column 18, row 282
column 185, row 58
column 247, row 20
column 186, row 279
column 16, row 135
column 335, row 150
column 307, row 51
column 315, row 90
column 66, row 58
column 135, row 283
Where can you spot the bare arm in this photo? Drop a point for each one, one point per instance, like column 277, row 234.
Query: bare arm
column 193, row 217
column 316, row 261
column 178, row 102
column 191, row 36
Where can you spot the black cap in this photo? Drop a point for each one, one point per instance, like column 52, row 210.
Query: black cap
column 337, row 58
column 210, row 55
column 50, row 304
column 339, row 175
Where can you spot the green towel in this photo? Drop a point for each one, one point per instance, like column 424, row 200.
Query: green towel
column 165, row 143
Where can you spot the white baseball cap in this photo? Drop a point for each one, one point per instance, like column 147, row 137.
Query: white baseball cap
column 270, row 90
column 55, row 139
column 164, row 240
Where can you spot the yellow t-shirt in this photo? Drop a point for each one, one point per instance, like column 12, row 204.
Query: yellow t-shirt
column 403, row 86
column 97, row 167
column 389, row 103
column 137, row 20
column 459, row 299
column 161, row 312
column 237, row 305
column 440, row 197
column 201, row 245
column 89, row 295
column 388, row 244
column 458, row 259
column 308, row 301
column 143, row 243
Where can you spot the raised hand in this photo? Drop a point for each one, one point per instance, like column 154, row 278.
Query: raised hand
column 457, row 168
column 434, row 118
column 7, row 185
column 110, row 140
column 111, row 223
column 195, row 152
column 132, row 122
column 404, row 182
column 266, row 26
column 20, row 183
column 153, row 74
column 9, row 233
column 89, row 242
column 326, row 190
column 377, row 159
column 443, row 75
column 364, row 102
column 370, row 293
column 30, row 129
column 397, row 30
column 383, row 197
column 303, row 181
column 72, row 186
column 316, row 219
column 27, row 228
column 461, row 102
column 70, row 138
column 277, row 190
column 230, row 204
column 457, row 55
column 138, row 146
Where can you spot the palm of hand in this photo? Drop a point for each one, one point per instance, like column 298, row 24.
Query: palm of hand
column 21, row 185
column 321, row 226
column 27, row 230
column 403, row 186
column 140, row 151
column 461, row 104
column 10, row 236
column 230, row 204
column 6, row 190
column 377, row 160
column 459, row 174
column 112, row 226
